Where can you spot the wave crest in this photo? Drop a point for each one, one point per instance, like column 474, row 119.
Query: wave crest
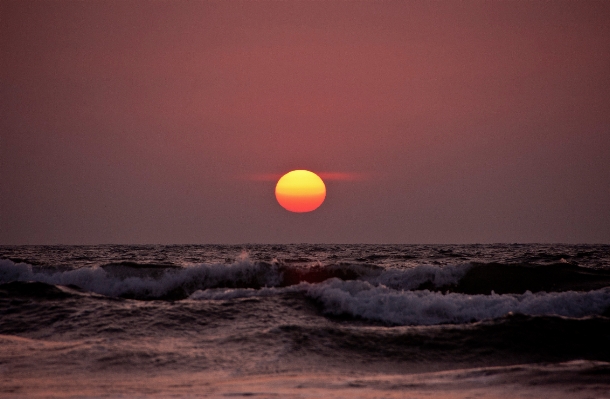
column 379, row 303
column 173, row 283
column 145, row 281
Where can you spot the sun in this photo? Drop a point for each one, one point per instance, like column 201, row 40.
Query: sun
column 300, row 191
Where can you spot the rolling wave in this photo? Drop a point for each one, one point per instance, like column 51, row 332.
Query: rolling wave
column 378, row 303
column 150, row 281
column 362, row 300
column 168, row 283
column 171, row 282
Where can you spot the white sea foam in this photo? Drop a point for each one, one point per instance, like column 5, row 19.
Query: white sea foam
column 380, row 303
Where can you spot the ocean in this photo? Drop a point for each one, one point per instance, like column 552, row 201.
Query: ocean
column 305, row 321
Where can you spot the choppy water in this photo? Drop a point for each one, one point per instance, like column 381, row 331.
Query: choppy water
column 305, row 321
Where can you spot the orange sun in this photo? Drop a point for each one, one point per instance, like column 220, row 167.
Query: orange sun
column 300, row 191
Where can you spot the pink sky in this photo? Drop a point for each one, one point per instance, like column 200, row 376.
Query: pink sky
column 431, row 122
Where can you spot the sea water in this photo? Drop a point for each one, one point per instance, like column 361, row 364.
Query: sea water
column 305, row 321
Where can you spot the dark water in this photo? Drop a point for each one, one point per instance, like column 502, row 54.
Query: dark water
column 305, row 321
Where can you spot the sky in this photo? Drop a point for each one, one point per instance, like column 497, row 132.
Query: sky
column 169, row 122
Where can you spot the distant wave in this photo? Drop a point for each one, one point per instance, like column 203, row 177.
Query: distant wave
column 516, row 278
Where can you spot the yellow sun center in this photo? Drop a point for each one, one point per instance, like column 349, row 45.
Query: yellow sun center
column 300, row 191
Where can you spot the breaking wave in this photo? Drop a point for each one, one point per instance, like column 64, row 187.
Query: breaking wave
column 361, row 299
column 146, row 281
column 378, row 303
column 129, row 282
column 421, row 295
